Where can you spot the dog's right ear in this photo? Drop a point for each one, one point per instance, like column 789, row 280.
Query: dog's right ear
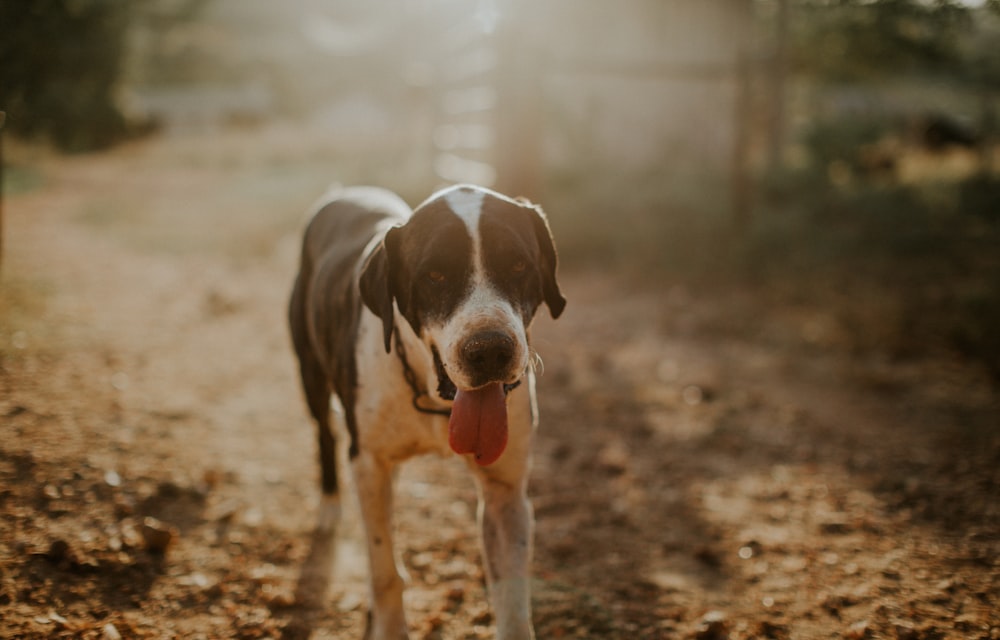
column 550, row 260
column 377, row 290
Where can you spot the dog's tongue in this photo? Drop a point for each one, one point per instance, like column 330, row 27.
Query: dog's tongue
column 479, row 423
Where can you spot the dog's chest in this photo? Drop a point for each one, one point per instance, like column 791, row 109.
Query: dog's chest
column 388, row 423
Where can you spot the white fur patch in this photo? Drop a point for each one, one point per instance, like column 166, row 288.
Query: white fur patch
column 468, row 205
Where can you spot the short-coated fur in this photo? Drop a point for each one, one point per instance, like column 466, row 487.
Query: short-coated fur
column 395, row 311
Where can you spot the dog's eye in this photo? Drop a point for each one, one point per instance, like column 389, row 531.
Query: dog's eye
column 519, row 267
column 436, row 277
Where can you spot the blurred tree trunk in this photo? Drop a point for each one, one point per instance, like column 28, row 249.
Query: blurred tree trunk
column 518, row 150
column 988, row 123
column 740, row 175
column 777, row 72
column 3, row 118
column 740, row 182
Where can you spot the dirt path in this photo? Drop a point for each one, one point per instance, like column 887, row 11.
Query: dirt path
column 706, row 468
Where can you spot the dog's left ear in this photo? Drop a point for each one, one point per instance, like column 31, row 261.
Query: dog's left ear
column 550, row 259
column 376, row 283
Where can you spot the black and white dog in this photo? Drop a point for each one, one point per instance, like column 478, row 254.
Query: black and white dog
column 418, row 322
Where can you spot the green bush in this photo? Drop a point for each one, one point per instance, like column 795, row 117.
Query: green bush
column 61, row 65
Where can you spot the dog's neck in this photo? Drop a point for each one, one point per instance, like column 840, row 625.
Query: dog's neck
column 418, row 369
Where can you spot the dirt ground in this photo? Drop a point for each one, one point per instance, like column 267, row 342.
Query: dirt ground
column 710, row 464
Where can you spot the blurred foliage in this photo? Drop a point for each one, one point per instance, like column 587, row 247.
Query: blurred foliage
column 62, row 66
column 842, row 140
column 61, row 61
column 905, row 266
column 862, row 39
column 845, row 220
column 926, row 252
column 979, row 49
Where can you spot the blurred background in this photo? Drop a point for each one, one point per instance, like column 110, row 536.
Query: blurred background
column 769, row 411
column 841, row 145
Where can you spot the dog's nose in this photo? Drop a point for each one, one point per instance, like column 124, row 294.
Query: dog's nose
column 489, row 352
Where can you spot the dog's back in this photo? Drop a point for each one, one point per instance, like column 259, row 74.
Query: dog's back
column 347, row 224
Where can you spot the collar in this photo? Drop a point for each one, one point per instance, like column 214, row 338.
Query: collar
column 411, row 379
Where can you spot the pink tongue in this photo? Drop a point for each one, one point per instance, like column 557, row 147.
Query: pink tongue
column 479, row 423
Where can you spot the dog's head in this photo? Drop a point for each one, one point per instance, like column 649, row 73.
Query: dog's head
column 468, row 272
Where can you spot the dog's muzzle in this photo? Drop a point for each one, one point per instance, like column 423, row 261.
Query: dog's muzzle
column 487, row 356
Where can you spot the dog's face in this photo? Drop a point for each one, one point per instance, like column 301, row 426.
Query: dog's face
column 468, row 272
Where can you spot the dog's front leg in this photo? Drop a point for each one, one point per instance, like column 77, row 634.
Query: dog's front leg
column 506, row 523
column 373, row 479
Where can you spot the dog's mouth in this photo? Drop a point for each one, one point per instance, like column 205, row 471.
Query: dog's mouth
column 478, row 421
column 446, row 388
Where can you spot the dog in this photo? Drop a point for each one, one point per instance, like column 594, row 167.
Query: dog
column 418, row 322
